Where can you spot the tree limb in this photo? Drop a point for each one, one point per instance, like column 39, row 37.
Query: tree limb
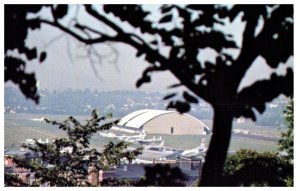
column 264, row 91
column 101, row 39
column 99, row 17
column 152, row 56
column 248, row 52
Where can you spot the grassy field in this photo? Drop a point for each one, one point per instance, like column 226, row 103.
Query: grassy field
column 19, row 127
column 246, row 143
column 254, row 129
column 192, row 141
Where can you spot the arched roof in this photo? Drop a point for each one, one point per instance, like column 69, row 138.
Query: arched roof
column 138, row 118
column 131, row 116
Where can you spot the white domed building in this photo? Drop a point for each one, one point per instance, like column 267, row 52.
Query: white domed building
column 162, row 122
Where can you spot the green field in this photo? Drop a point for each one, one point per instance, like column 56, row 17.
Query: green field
column 19, row 127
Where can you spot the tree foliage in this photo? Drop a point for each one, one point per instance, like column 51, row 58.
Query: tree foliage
column 251, row 168
column 286, row 143
column 162, row 175
column 15, row 32
column 13, row 180
column 68, row 161
column 215, row 82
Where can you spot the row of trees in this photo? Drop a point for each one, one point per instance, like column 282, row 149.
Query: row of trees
column 217, row 83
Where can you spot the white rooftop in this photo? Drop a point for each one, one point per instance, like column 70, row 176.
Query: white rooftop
column 138, row 118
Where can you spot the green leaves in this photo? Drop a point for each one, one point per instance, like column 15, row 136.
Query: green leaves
column 13, row 180
column 251, row 168
column 72, row 156
column 286, row 143
column 163, row 175
column 113, row 153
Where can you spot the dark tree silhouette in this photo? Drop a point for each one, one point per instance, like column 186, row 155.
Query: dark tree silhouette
column 15, row 34
column 217, row 83
column 162, row 175
column 250, row 168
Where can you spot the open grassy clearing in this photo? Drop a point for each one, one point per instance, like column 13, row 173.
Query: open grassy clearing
column 19, row 127
column 254, row 129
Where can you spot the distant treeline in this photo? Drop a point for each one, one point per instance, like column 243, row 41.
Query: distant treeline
column 119, row 102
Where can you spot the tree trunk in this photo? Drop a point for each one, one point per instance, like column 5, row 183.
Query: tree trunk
column 218, row 147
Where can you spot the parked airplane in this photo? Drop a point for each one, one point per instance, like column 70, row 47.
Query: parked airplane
column 148, row 141
column 109, row 135
column 42, row 119
column 125, row 137
column 161, row 149
column 136, row 138
column 155, row 147
column 195, row 151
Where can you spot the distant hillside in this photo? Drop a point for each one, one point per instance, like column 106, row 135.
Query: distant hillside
column 70, row 102
column 120, row 103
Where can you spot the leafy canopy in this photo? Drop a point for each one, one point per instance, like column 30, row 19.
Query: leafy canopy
column 286, row 143
column 68, row 161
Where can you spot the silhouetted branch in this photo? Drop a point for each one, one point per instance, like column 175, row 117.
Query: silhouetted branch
column 105, row 20
column 278, row 34
column 257, row 95
column 249, row 51
column 69, row 50
column 216, row 83
column 101, row 39
column 114, row 52
column 152, row 56
column 85, row 28
column 143, row 47
column 50, row 42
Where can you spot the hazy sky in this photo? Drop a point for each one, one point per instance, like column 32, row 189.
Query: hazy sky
column 61, row 71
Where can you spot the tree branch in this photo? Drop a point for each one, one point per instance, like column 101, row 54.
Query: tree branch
column 99, row 17
column 101, row 39
column 248, row 53
column 265, row 90
column 278, row 34
column 84, row 27
column 152, row 56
